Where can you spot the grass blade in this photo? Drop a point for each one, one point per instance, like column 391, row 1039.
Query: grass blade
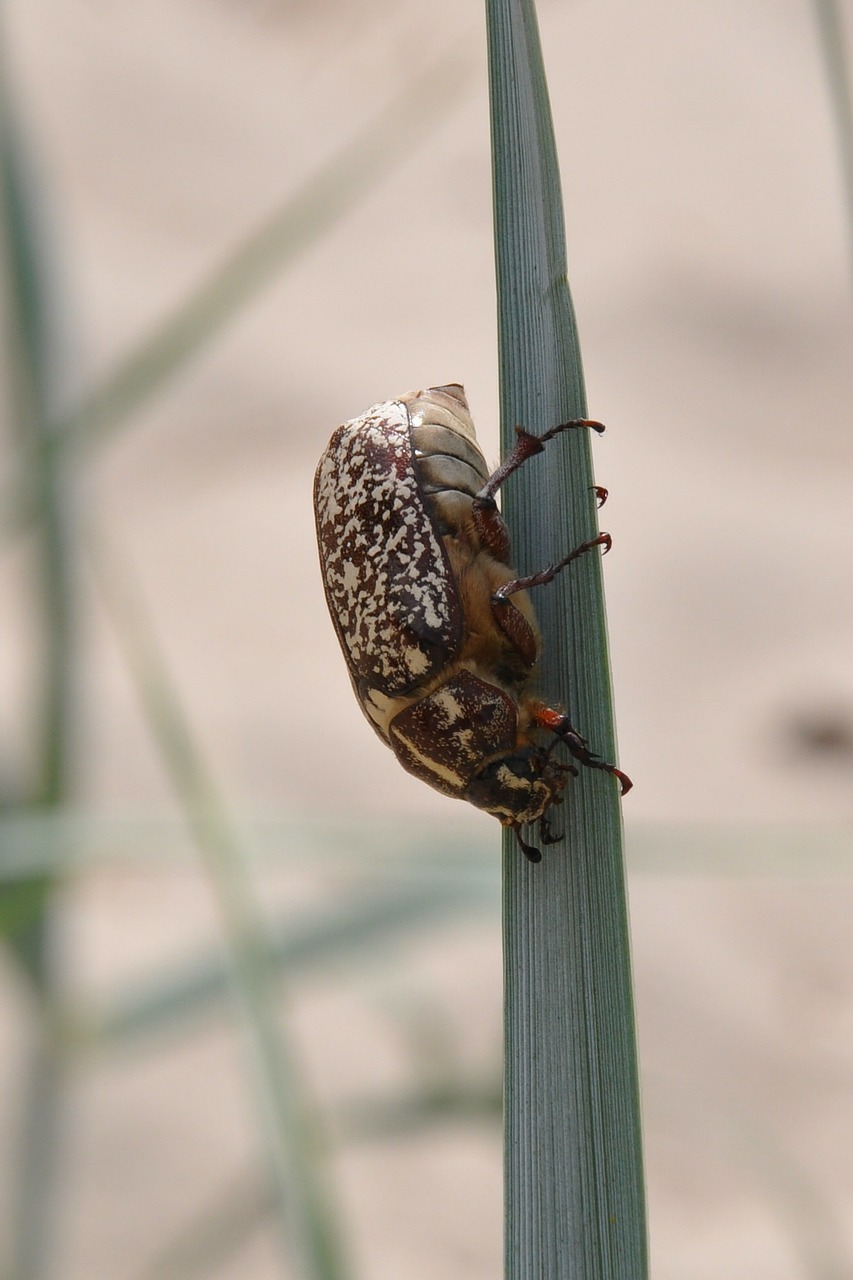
column 34, row 365
column 352, row 173
column 574, row 1184
column 200, row 986
column 34, row 361
column 289, row 1126
column 830, row 26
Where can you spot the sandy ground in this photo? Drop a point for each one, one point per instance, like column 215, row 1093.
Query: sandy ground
column 709, row 268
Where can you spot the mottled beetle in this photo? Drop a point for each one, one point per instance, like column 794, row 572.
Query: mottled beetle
column 415, row 560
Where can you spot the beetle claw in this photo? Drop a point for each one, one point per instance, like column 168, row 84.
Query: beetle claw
column 625, row 783
column 589, row 423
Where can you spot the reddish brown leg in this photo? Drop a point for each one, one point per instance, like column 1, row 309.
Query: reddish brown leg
column 527, row 446
column 563, row 732
column 487, row 518
column 548, row 575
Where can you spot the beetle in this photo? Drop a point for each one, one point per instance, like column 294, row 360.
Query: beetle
column 437, row 629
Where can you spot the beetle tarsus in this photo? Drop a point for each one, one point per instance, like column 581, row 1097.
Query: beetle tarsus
column 589, row 423
column 625, row 783
column 601, row 494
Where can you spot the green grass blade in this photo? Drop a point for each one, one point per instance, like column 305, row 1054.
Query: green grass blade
column 289, row 1126
column 351, row 174
column 574, row 1183
column 69, row 842
column 200, row 986
column 34, row 361
column 34, row 366
column 207, row 1243
column 833, row 43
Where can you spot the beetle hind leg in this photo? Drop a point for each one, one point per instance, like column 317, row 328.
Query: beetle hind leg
column 527, row 446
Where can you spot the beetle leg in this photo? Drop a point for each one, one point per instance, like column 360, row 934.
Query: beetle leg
column 600, row 494
column 548, row 575
column 527, row 446
column 565, row 733
column 517, row 629
column 490, row 526
column 566, row 768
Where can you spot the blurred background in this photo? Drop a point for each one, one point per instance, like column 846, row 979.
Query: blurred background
column 229, row 227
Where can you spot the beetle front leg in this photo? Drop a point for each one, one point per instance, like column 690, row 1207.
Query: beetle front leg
column 564, row 732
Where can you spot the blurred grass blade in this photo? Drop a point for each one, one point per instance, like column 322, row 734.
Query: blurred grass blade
column 68, row 842
column 574, row 1183
column 351, row 174
column 830, row 25
column 216, row 1232
column 33, row 362
column 201, row 986
column 288, row 1124
column 74, row 841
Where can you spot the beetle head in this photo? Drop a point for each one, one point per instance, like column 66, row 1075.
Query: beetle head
column 518, row 787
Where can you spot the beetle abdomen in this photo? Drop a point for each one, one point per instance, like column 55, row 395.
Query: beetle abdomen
column 450, row 467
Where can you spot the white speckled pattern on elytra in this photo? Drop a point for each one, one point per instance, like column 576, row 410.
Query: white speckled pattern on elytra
column 388, row 582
